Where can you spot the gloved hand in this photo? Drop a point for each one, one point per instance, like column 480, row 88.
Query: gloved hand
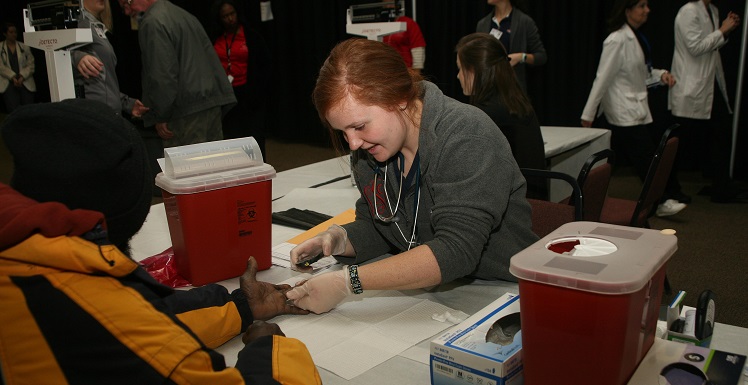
column 332, row 241
column 323, row 292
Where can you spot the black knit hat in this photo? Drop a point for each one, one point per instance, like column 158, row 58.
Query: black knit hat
column 80, row 153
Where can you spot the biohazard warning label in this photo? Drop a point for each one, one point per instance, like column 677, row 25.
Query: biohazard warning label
column 246, row 212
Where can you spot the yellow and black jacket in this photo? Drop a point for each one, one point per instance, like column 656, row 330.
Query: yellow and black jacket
column 74, row 311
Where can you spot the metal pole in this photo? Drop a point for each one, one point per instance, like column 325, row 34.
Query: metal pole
column 414, row 9
column 738, row 95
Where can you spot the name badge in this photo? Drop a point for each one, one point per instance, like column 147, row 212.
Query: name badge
column 496, row 33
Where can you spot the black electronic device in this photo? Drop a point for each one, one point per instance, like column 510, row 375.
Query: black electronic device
column 310, row 261
column 386, row 11
column 677, row 325
column 54, row 14
column 705, row 315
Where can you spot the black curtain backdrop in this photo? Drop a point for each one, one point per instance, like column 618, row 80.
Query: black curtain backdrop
column 303, row 32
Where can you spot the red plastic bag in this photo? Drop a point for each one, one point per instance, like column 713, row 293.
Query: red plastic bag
column 161, row 267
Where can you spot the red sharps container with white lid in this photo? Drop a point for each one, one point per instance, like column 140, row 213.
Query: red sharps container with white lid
column 590, row 294
column 217, row 197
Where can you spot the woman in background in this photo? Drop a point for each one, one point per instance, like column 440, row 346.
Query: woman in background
column 246, row 60
column 445, row 201
column 16, row 70
column 95, row 63
column 620, row 90
column 519, row 35
column 486, row 76
column 701, row 105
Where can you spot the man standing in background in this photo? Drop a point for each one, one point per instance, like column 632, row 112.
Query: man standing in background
column 518, row 34
column 183, row 81
column 698, row 103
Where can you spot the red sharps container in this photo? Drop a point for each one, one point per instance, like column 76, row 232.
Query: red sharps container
column 217, row 197
column 590, row 294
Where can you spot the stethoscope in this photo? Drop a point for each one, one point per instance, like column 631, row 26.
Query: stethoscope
column 4, row 53
column 393, row 218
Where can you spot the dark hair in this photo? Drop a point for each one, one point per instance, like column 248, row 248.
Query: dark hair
column 485, row 57
column 6, row 26
column 216, row 24
column 370, row 71
column 618, row 14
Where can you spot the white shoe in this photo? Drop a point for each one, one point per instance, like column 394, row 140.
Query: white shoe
column 669, row 207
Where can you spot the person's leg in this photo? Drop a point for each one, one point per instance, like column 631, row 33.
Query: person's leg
column 27, row 97
column 256, row 125
column 232, row 123
column 203, row 126
column 12, row 98
column 634, row 143
column 673, row 188
column 235, row 120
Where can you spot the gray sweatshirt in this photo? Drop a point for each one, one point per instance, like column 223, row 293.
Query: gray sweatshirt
column 105, row 87
column 472, row 212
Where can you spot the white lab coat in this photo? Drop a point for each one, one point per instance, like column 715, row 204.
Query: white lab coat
column 696, row 62
column 620, row 86
column 25, row 66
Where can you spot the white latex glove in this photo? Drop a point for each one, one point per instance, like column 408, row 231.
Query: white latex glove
column 329, row 242
column 323, row 292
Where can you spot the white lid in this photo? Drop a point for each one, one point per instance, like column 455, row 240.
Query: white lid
column 211, row 157
column 611, row 260
column 215, row 181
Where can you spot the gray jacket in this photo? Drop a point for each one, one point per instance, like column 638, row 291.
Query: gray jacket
column 105, row 87
column 472, row 213
column 181, row 71
column 524, row 38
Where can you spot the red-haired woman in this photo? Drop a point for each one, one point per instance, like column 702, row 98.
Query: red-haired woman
column 440, row 189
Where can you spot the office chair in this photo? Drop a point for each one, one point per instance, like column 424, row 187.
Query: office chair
column 594, row 180
column 628, row 212
column 547, row 216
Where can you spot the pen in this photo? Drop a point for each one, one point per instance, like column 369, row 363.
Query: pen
column 678, row 299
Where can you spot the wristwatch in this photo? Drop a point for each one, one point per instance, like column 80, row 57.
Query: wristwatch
column 524, row 58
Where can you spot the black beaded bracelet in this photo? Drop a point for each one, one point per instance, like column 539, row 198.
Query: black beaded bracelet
column 355, row 282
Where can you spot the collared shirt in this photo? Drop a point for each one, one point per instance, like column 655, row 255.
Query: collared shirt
column 502, row 30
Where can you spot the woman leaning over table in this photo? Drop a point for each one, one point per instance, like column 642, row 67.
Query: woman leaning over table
column 440, row 189
column 620, row 90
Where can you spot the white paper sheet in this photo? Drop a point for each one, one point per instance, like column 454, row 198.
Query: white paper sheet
column 365, row 330
column 417, row 353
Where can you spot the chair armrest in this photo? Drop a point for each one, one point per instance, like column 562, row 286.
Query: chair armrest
column 576, row 191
